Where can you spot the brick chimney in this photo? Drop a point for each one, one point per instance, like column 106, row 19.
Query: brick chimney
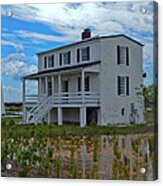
column 86, row 33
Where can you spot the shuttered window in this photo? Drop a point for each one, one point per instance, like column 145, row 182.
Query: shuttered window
column 122, row 85
column 78, row 55
column 60, row 59
column 122, row 55
column 85, row 52
column 67, row 58
column 45, row 62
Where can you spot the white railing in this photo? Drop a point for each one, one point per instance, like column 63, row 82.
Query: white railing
column 65, row 98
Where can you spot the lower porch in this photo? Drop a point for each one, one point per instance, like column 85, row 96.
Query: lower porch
column 80, row 116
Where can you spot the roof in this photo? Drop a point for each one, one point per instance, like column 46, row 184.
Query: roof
column 64, row 68
column 91, row 39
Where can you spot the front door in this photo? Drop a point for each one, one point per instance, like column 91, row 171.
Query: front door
column 92, row 116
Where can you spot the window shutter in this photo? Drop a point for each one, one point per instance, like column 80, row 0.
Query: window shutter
column 127, row 56
column 52, row 61
column 88, row 53
column 118, row 55
column 60, row 59
column 118, row 85
column 78, row 55
column 45, row 62
column 127, row 86
column 69, row 57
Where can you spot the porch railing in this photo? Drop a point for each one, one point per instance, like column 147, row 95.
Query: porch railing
column 65, row 98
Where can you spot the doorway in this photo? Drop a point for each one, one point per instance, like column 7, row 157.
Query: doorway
column 92, row 116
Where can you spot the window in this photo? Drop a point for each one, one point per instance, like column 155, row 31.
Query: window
column 78, row 55
column 67, row 58
column 60, row 59
column 123, row 85
column 122, row 55
column 85, row 54
column 45, row 62
column 87, row 84
column 49, row 61
column 122, row 111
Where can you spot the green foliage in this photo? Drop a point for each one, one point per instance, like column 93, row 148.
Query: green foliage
column 149, row 93
column 95, row 149
column 11, row 122
column 93, row 123
column 117, row 152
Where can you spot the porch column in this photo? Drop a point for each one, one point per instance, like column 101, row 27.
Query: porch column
column 40, row 87
column 83, row 116
column 60, row 111
column 46, row 85
column 24, row 109
column 60, row 116
column 83, row 86
column 48, row 117
column 59, row 88
column 52, row 84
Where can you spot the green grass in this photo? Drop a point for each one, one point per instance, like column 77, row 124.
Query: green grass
column 54, row 130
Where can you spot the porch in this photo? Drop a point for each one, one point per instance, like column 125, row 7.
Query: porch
column 72, row 89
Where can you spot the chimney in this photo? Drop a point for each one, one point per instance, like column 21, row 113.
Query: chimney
column 86, row 33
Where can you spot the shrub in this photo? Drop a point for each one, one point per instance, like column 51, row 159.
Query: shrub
column 11, row 122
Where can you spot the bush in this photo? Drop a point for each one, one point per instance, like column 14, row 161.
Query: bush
column 11, row 122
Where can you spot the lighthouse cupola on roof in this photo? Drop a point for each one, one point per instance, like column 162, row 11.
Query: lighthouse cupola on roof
column 86, row 33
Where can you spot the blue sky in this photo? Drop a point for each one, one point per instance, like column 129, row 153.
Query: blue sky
column 38, row 27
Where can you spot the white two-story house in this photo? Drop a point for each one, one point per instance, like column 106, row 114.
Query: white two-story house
column 96, row 79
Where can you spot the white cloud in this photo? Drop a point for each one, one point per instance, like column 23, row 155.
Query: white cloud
column 15, row 45
column 69, row 19
column 14, row 57
column 17, row 69
column 45, row 37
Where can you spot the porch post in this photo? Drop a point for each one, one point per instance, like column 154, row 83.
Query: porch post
column 52, row 84
column 40, row 86
column 83, row 86
column 24, row 109
column 48, row 117
column 60, row 111
column 82, row 116
column 46, row 85
column 60, row 115
column 59, row 84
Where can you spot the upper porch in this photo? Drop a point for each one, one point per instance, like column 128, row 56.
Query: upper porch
column 67, row 87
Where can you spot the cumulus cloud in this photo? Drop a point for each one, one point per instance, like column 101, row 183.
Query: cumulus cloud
column 13, row 66
column 70, row 18
column 14, row 57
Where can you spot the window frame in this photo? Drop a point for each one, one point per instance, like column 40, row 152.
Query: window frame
column 85, row 53
column 123, row 86
column 122, row 55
